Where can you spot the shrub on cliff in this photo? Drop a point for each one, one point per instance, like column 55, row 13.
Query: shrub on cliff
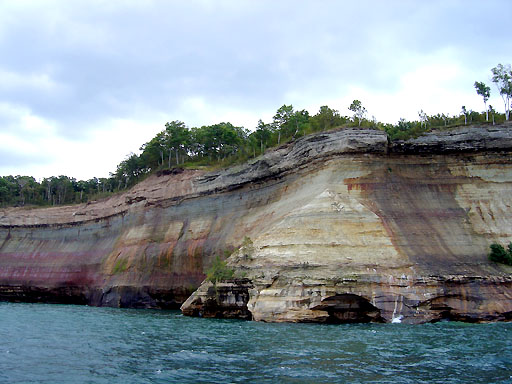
column 219, row 271
column 500, row 255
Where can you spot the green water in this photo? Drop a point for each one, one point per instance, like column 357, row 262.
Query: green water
column 42, row 343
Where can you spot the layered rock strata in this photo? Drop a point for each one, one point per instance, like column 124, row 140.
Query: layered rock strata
column 338, row 227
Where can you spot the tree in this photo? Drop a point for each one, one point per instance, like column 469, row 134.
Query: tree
column 502, row 77
column 216, row 141
column 498, row 254
column 80, row 188
column 62, row 187
column 358, row 109
column 176, row 139
column 423, row 118
column 262, row 134
column 153, row 151
column 326, row 119
column 473, row 116
column 231, row 139
column 403, row 130
column 484, row 91
column 492, row 111
column 281, row 120
column 5, row 196
column 26, row 185
column 299, row 122
column 465, row 113
column 438, row 120
column 128, row 171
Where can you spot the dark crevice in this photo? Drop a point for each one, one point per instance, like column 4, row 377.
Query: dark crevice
column 349, row 308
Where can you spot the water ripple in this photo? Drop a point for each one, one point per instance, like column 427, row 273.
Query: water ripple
column 62, row 344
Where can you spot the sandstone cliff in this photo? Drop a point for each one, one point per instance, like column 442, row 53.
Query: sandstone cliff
column 343, row 225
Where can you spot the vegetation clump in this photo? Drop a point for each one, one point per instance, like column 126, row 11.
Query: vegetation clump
column 247, row 242
column 219, row 271
column 499, row 254
column 120, row 266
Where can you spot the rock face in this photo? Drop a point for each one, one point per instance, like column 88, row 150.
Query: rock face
column 471, row 139
column 334, row 227
column 227, row 300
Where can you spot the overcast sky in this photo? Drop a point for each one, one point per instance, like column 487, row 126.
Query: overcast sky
column 84, row 83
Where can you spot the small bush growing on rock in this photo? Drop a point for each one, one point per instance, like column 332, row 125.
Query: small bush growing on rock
column 219, row 271
column 500, row 255
column 120, row 266
column 247, row 242
column 246, row 249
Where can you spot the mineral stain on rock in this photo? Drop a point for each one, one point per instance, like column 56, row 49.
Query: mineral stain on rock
column 343, row 227
column 424, row 220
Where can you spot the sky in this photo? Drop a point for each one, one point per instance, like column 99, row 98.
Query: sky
column 85, row 83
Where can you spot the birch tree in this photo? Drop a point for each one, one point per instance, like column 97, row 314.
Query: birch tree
column 502, row 77
column 485, row 91
column 464, row 112
column 423, row 118
column 358, row 109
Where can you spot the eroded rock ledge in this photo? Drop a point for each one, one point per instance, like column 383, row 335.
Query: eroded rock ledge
column 333, row 227
column 359, row 300
column 464, row 139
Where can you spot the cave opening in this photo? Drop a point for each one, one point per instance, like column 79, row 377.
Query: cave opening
column 349, row 308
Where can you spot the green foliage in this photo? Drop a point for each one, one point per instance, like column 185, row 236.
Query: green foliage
column 246, row 249
column 288, row 124
column 358, row 109
column 247, row 242
column 502, row 77
column 219, row 271
column 485, row 91
column 260, row 139
column 498, row 254
column 423, row 119
column 326, row 119
column 228, row 252
column 120, row 266
column 404, row 129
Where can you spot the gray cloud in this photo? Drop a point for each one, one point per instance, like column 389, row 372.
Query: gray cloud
column 105, row 60
column 10, row 158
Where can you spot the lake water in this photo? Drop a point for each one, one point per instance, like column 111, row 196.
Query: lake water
column 42, row 343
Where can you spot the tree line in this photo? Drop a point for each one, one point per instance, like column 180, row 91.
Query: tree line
column 223, row 144
column 26, row 190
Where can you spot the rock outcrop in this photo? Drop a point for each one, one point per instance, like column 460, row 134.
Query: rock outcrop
column 226, row 300
column 334, row 227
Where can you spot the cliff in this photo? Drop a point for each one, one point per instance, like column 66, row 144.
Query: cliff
column 334, row 227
